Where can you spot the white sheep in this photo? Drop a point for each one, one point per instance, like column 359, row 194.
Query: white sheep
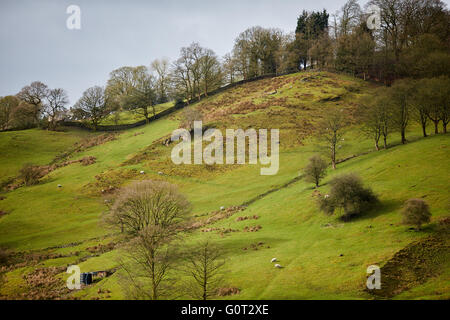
column 142, row 172
column 273, row 260
column 278, row 266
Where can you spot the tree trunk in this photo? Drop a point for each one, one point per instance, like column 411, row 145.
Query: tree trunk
column 424, row 130
column 436, row 128
column 385, row 142
column 403, row 136
column 444, row 127
column 376, row 145
column 333, row 157
column 146, row 116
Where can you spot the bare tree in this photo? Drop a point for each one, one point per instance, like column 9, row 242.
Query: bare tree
column 230, row 68
column 210, row 69
column 34, row 95
column 93, row 105
column 182, row 74
column 57, row 100
column 331, row 130
column 400, row 99
column 376, row 116
column 161, row 67
column 142, row 95
column 152, row 213
column 147, row 260
column 148, row 203
column 351, row 14
column 204, row 266
column 434, row 98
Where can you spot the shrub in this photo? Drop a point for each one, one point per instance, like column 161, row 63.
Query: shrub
column 30, row 174
column 315, row 170
column 416, row 212
column 347, row 193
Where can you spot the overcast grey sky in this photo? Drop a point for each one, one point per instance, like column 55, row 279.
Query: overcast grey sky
column 36, row 44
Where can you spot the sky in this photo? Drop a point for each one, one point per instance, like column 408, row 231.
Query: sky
column 37, row 45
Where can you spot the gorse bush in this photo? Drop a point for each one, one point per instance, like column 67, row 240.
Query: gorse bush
column 416, row 212
column 30, row 174
column 347, row 193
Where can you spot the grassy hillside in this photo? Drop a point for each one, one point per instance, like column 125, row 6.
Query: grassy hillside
column 60, row 226
column 35, row 146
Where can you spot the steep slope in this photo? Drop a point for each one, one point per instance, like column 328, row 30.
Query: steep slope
column 64, row 222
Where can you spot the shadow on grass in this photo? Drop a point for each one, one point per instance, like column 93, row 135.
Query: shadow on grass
column 382, row 207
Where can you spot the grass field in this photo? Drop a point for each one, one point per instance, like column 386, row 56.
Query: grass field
column 64, row 222
column 35, row 146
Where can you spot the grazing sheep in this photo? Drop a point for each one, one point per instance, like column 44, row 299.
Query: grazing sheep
column 222, row 208
column 142, row 172
column 278, row 266
column 273, row 260
column 59, row 186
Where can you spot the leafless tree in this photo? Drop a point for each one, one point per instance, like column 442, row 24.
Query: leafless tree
column 351, row 14
column 376, row 118
column 34, row 95
column 400, row 98
column 230, row 68
column 331, row 130
column 151, row 213
column 148, row 203
column 161, row 68
column 210, row 70
column 142, row 95
column 57, row 100
column 204, row 267
column 147, row 259
column 92, row 105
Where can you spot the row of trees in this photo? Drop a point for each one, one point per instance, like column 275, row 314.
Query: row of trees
column 411, row 41
column 32, row 104
column 388, row 110
column 394, row 108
